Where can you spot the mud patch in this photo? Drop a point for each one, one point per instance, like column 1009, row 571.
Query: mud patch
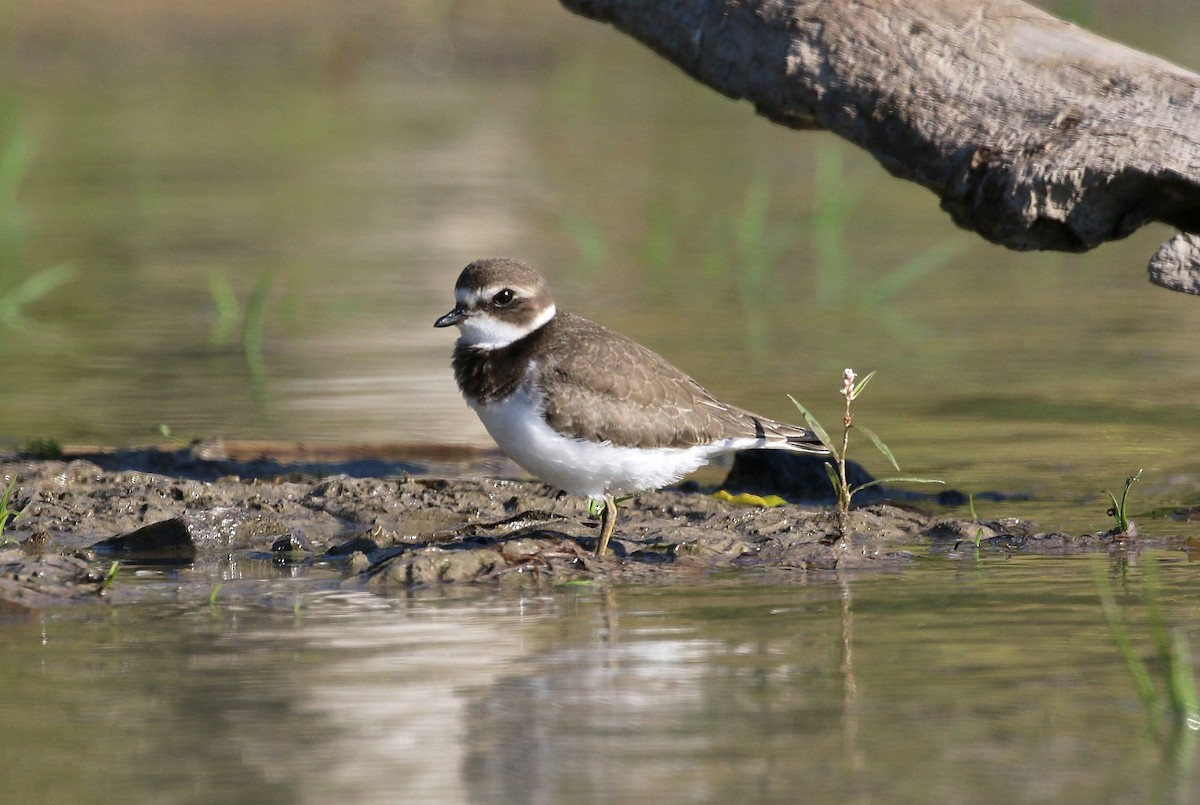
column 398, row 532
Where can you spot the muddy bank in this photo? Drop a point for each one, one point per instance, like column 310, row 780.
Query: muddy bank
column 384, row 524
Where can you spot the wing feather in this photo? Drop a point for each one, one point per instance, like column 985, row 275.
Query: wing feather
column 601, row 385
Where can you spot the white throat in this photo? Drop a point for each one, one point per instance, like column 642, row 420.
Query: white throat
column 483, row 330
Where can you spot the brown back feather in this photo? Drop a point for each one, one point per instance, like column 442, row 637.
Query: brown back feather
column 603, row 386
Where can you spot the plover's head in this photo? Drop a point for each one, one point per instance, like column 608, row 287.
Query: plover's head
column 498, row 301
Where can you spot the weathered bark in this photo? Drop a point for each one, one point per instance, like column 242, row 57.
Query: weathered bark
column 1033, row 132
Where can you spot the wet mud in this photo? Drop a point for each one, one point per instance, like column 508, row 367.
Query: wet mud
column 390, row 525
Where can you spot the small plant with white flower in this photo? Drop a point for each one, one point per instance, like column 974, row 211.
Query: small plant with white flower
column 852, row 387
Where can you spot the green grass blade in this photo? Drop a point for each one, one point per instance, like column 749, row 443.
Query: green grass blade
column 110, row 578
column 1120, row 635
column 252, row 326
column 660, row 246
column 1128, row 483
column 32, row 289
column 814, row 425
column 590, row 241
column 833, row 477
column 229, row 312
column 1115, row 511
column 902, row 479
column 862, row 384
column 1182, row 680
column 834, row 197
column 6, row 513
column 1156, row 625
column 870, row 434
column 750, row 237
column 912, row 270
column 1124, row 497
column 15, row 159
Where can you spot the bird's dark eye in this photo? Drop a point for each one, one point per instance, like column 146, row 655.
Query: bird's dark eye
column 504, row 298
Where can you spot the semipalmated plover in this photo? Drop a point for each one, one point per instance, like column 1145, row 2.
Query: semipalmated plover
column 584, row 408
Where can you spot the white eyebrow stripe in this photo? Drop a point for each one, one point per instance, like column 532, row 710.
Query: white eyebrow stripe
column 472, row 297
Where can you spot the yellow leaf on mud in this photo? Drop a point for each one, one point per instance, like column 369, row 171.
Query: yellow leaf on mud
column 746, row 499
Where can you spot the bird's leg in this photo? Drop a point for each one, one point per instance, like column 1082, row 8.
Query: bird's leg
column 608, row 518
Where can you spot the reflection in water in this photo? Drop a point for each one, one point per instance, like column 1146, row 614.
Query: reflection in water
column 390, row 701
column 751, row 695
column 854, row 756
column 933, row 685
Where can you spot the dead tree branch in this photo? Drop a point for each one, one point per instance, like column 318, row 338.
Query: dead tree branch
column 1034, row 133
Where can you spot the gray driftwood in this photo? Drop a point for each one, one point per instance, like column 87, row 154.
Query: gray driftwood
column 1034, row 133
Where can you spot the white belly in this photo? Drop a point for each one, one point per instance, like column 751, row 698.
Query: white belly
column 581, row 467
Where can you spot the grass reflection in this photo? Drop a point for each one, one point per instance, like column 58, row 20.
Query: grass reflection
column 18, row 290
column 754, row 251
column 248, row 321
column 1167, row 688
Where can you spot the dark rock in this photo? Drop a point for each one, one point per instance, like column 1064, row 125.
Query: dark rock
column 952, row 497
column 1187, row 514
column 209, row 461
column 292, row 543
column 166, row 539
column 351, row 546
column 793, row 476
column 955, row 531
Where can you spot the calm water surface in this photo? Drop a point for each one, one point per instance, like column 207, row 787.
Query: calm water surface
column 951, row 682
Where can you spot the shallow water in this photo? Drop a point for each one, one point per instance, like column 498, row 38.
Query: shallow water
column 993, row 681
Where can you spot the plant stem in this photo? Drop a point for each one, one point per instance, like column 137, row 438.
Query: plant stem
column 844, row 487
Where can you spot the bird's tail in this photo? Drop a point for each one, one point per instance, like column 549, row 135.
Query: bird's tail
column 782, row 436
